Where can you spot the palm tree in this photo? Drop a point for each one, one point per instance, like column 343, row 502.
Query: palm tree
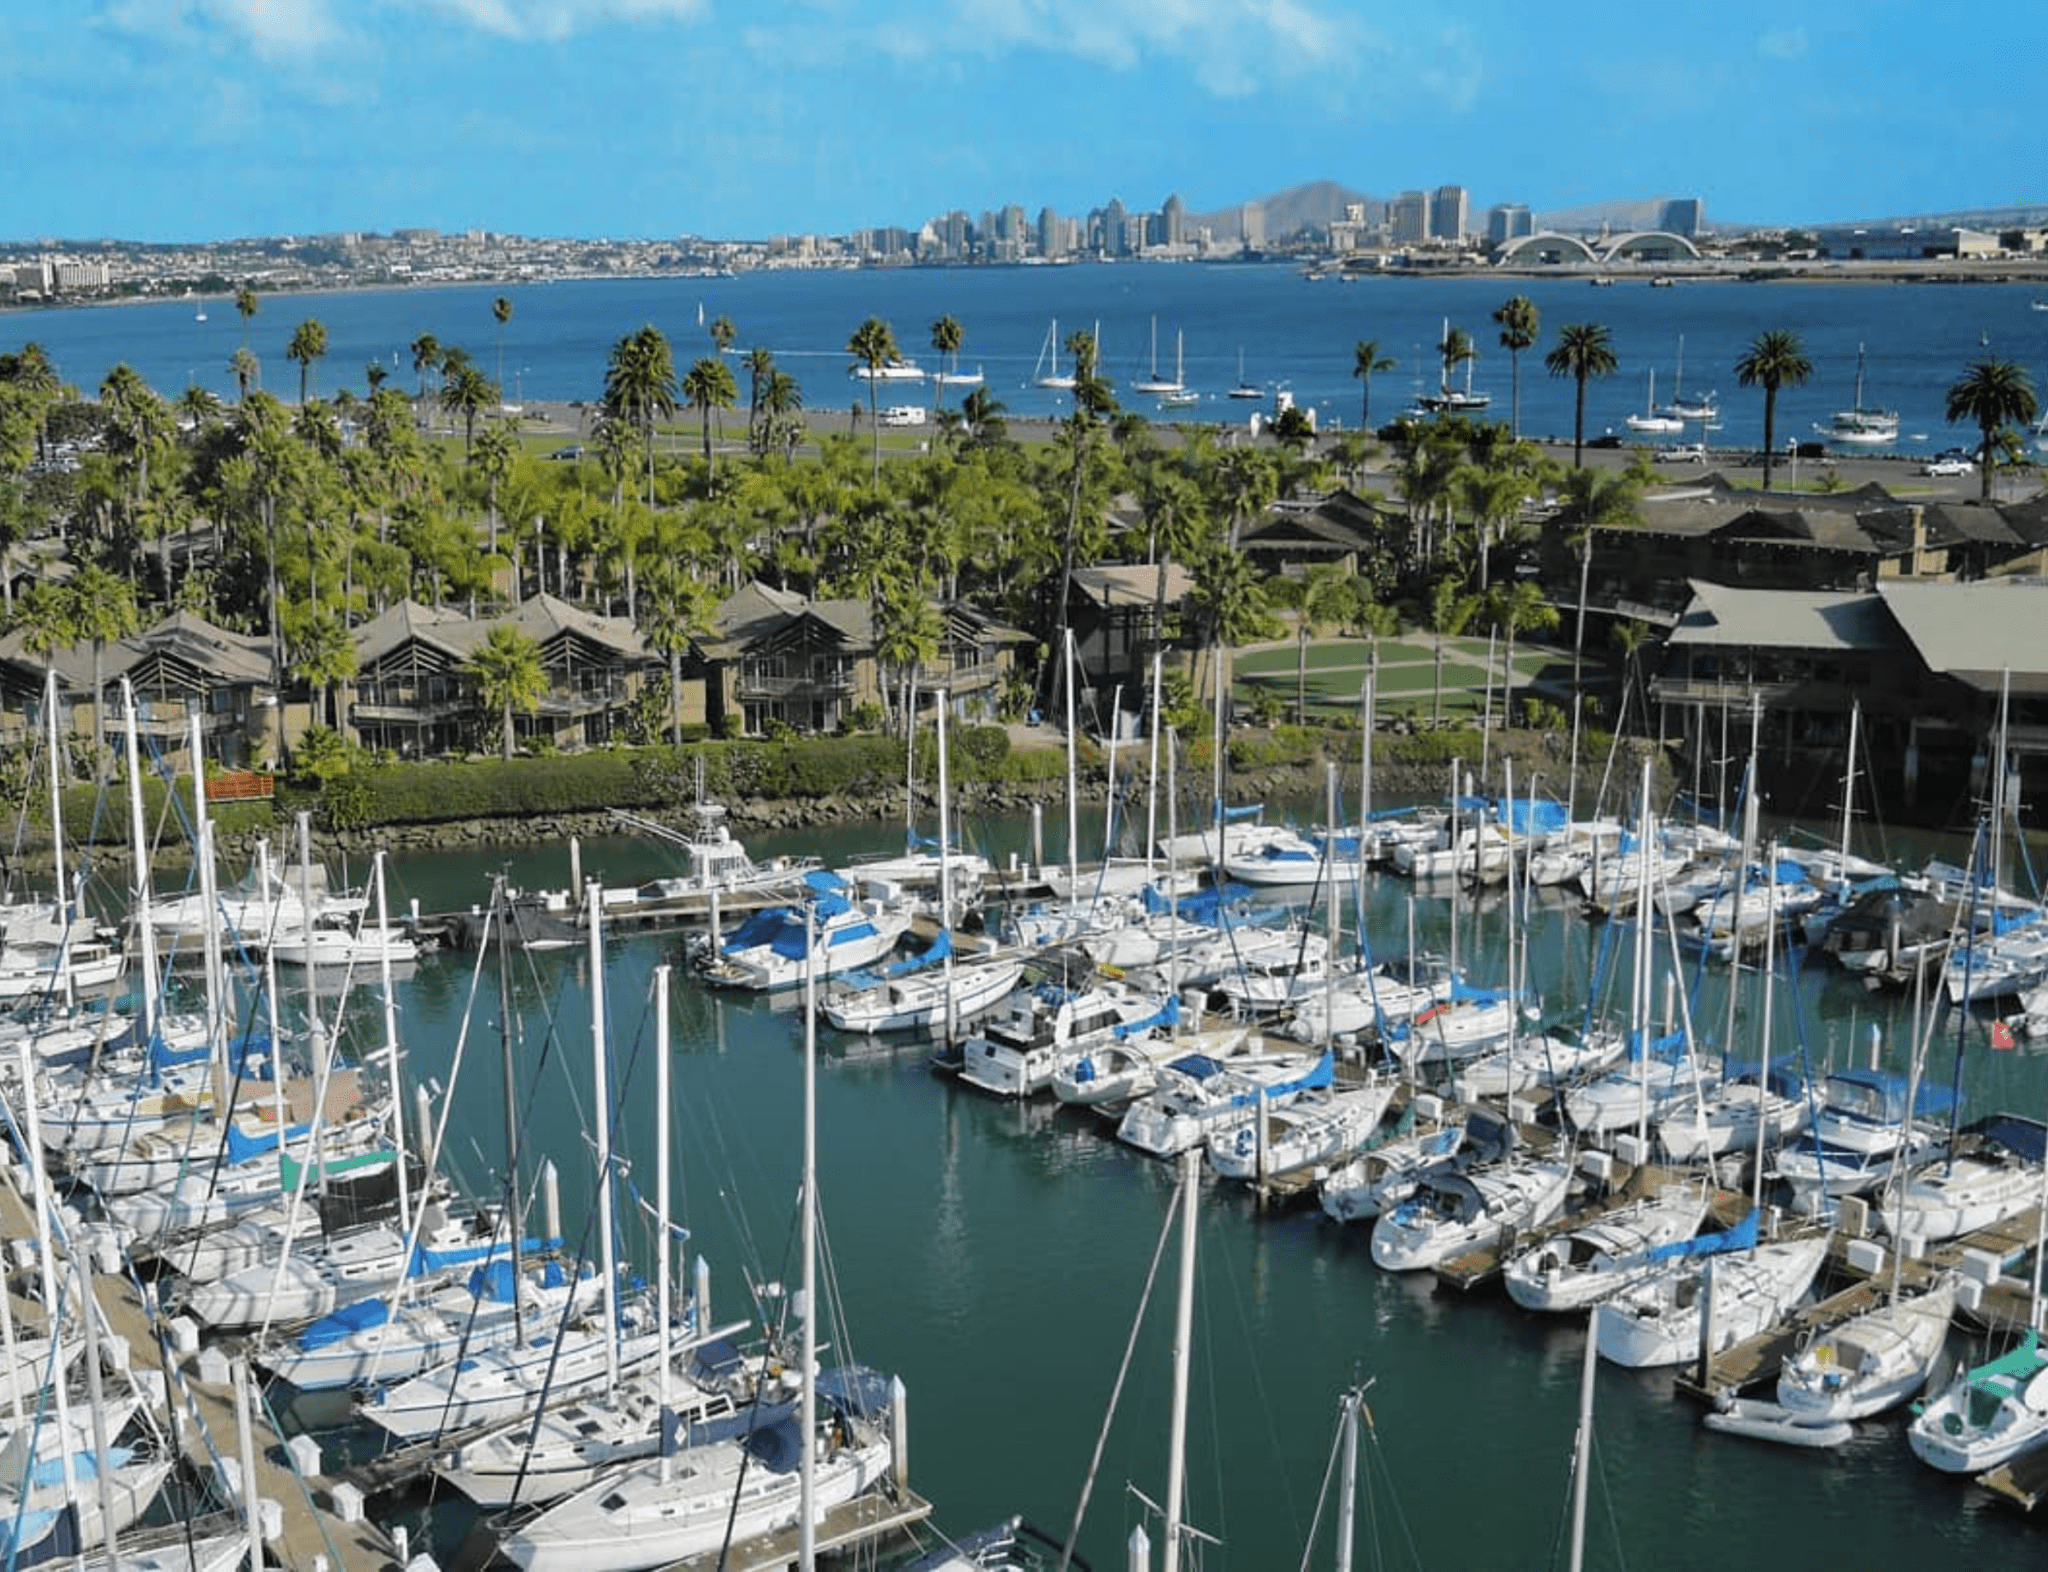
column 1595, row 499
column 947, row 337
column 1366, row 363
column 103, row 609
column 723, row 333
column 1454, row 351
column 760, row 364
column 1992, row 394
column 873, row 346
column 426, row 356
column 640, row 388
column 508, row 674
column 309, row 343
column 1520, row 326
column 1584, row 350
column 1775, row 359
column 1515, row 607
column 1325, row 594
column 501, row 313
column 675, row 610
column 782, row 403
column 467, row 392
column 245, row 308
column 709, row 385
column 243, row 366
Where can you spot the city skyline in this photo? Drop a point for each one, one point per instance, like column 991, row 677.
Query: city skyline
column 196, row 120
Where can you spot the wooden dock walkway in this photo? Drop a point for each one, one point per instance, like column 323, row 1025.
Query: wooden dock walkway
column 204, row 1423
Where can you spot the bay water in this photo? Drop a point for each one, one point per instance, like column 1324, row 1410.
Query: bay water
column 1284, row 330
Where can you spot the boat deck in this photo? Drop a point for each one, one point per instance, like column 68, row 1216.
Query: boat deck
column 861, row 1521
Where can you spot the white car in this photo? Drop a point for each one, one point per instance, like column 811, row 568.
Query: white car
column 1948, row 466
column 904, row 415
column 1684, row 453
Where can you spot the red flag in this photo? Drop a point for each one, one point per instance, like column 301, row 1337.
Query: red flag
column 2001, row 1035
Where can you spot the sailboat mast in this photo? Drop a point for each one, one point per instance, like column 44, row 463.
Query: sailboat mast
column 663, row 1286
column 601, row 1093
column 807, row 1531
column 513, row 1208
column 1183, row 1332
column 1582, row 1459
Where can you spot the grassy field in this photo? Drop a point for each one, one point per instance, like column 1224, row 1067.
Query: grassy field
column 1407, row 674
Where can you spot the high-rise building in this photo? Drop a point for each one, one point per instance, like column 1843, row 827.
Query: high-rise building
column 1507, row 221
column 1115, row 229
column 1408, row 218
column 1052, row 237
column 1685, row 216
column 1251, row 221
column 1450, row 214
column 1173, row 222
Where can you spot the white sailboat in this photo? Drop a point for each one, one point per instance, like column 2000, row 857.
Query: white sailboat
column 1861, row 426
column 1152, row 381
column 725, row 1492
column 1047, row 373
column 1655, row 420
column 1245, row 389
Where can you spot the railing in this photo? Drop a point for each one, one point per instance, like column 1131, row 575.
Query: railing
column 785, row 687
column 239, row 786
column 1724, row 695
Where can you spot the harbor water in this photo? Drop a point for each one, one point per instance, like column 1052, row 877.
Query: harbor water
column 993, row 1255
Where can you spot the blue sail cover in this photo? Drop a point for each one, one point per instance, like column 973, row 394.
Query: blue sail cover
column 1166, row 1015
column 340, row 1325
column 759, row 929
column 1321, row 1073
column 242, row 1147
column 1201, row 905
column 1250, row 810
column 1667, row 1049
column 1742, row 1236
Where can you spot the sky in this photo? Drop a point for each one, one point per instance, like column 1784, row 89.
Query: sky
column 192, row 120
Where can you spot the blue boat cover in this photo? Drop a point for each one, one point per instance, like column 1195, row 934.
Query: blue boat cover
column 1166, row 1015
column 1742, row 1236
column 340, row 1325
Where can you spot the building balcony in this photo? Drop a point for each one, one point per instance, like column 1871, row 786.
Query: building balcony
column 834, row 686
column 1716, row 694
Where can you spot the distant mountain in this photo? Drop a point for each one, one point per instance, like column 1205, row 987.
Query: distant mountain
column 1312, row 206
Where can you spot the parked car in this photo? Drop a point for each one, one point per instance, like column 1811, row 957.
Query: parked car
column 568, row 455
column 1948, row 467
column 1683, row 453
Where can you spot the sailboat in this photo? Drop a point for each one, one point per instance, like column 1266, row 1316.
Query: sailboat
column 1447, row 399
column 775, row 1477
column 1047, row 373
column 1245, row 389
column 1153, row 382
column 1702, row 407
column 1861, row 426
column 1655, row 421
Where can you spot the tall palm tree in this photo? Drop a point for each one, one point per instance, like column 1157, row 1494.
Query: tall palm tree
column 1775, row 359
column 1366, row 363
column 1594, row 499
column 467, row 392
column 1583, row 350
column 760, row 364
column 246, row 371
column 309, row 343
column 1325, row 594
column 426, row 356
column 1992, row 395
column 1520, row 325
column 103, row 609
column 947, row 337
column 1457, row 348
column 245, row 308
column 723, row 333
column 508, row 674
column 1516, row 607
column 709, row 385
column 640, row 388
column 873, row 346
column 501, row 313
column 676, row 609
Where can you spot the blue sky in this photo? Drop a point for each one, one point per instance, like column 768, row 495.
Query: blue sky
column 207, row 119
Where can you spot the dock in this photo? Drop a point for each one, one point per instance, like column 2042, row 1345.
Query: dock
column 311, row 1531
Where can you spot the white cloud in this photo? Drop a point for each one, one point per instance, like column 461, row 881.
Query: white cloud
column 1783, row 43
column 1233, row 47
column 556, row 19
column 273, row 28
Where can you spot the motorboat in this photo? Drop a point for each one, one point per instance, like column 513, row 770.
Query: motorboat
column 841, row 928
column 1988, row 1415
column 1485, row 1204
column 1043, row 1027
column 1197, row 1096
